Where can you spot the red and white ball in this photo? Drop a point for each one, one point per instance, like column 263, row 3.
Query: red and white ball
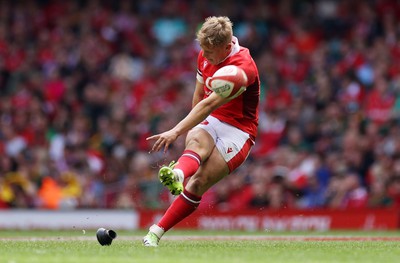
column 228, row 82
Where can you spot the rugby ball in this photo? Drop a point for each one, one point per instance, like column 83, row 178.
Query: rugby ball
column 228, row 82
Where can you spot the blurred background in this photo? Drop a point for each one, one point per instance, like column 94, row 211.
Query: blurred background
column 83, row 83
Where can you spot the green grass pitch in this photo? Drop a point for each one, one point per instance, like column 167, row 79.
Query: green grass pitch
column 199, row 246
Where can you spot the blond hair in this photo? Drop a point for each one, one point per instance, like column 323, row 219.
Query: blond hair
column 216, row 31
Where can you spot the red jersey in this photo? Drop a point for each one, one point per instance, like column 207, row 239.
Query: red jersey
column 242, row 111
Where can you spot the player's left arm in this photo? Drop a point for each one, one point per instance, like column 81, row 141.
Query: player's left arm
column 198, row 93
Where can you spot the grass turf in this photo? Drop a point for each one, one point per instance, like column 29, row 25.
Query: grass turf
column 197, row 246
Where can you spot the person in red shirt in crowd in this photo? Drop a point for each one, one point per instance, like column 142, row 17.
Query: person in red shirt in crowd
column 380, row 102
column 221, row 131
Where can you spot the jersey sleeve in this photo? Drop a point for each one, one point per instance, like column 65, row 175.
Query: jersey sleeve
column 199, row 77
column 250, row 70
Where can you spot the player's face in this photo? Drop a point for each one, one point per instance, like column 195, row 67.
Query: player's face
column 215, row 55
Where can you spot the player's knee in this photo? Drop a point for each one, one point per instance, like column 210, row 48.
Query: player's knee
column 194, row 142
column 195, row 137
column 200, row 143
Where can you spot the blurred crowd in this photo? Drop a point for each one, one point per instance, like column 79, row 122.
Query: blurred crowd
column 83, row 83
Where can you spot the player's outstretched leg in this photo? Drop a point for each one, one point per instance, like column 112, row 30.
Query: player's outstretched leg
column 169, row 178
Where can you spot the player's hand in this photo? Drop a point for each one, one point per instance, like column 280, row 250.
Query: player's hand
column 163, row 140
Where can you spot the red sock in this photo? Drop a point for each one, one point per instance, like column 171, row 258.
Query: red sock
column 188, row 163
column 183, row 206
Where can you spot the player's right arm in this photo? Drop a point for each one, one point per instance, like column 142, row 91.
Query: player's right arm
column 198, row 113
